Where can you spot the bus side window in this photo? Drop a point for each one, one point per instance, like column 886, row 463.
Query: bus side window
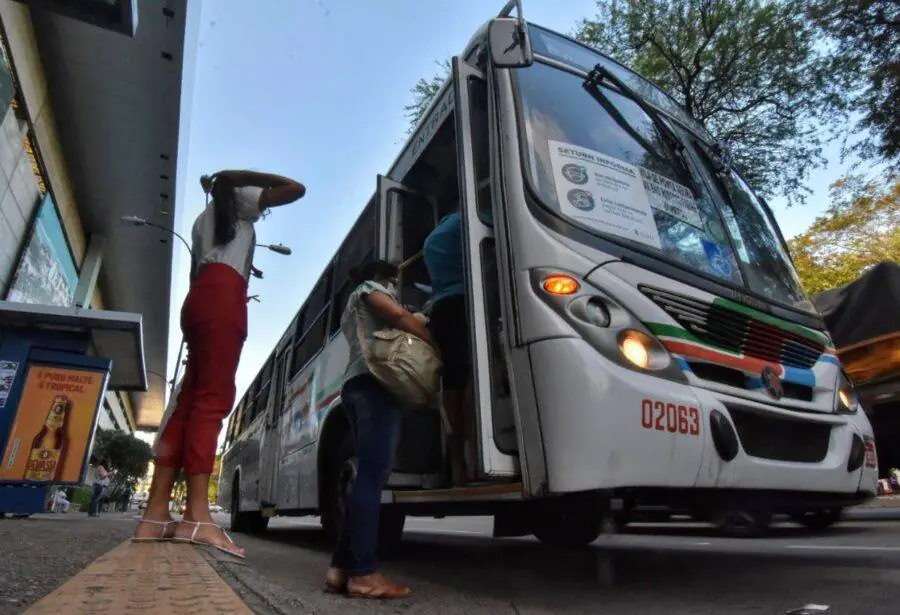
column 262, row 400
column 358, row 247
column 250, row 409
column 311, row 338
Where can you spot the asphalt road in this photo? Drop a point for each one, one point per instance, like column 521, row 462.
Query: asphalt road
column 455, row 567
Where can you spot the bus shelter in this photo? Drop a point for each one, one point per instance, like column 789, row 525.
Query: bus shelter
column 56, row 364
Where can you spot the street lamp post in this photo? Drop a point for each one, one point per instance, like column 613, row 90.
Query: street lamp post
column 138, row 221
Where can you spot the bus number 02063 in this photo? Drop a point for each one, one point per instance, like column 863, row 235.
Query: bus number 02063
column 672, row 418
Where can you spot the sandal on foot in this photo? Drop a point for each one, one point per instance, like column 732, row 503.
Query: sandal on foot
column 164, row 535
column 381, row 590
column 205, row 543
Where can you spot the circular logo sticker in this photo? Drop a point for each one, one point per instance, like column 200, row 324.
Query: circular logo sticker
column 575, row 173
column 581, row 199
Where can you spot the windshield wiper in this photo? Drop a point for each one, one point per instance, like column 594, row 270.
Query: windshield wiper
column 593, row 83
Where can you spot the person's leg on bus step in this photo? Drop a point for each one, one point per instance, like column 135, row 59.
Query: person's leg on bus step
column 354, row 566
column 451, row 333
column 219, row 326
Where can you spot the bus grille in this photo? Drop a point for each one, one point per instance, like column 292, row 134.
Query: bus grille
column 735, row 332
column 768, row 436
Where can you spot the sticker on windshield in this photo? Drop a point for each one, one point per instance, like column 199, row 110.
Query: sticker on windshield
column 602, row 192
column 671, row 197
column 718, row 258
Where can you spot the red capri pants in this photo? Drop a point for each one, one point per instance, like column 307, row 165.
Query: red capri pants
column 214, row 323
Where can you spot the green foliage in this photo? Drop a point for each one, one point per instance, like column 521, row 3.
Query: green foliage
column 423, row 93
column 866, row 35
column 127, row 455
column 213, row 492
column 82, row 497
column 861, row 228
column 750, row 70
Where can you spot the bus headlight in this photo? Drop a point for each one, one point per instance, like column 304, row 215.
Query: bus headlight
column 847, row 401
column 604, row 322
column 642, row 350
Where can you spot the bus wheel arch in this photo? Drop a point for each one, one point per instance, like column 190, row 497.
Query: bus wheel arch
column 250, row 522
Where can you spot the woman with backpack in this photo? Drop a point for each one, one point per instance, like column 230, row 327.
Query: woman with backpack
column 214, row 322
column 374, row 415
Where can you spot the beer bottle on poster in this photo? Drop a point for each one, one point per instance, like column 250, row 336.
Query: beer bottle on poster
column 48, row 449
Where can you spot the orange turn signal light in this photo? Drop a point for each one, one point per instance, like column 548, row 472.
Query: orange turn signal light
column 560, row 284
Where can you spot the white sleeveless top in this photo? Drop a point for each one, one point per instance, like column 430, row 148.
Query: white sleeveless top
column 237, row 253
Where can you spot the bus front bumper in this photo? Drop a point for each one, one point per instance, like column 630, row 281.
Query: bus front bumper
column 607, row 427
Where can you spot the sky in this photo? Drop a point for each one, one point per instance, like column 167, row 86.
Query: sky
column 315, row 90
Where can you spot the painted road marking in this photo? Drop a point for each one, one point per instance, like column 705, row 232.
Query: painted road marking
column 843, row 548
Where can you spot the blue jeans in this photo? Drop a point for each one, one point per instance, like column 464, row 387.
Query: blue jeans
column 375, row 421
column 95, row 502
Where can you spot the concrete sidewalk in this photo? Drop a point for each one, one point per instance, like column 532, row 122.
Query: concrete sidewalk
column 66, row 563
column 156, row 578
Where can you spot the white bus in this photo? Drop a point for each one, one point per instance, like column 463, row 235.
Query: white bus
column 639, row 333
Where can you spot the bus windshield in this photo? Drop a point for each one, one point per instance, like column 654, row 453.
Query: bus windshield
column 602, row 163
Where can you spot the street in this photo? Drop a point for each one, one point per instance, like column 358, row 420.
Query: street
column 454, row 566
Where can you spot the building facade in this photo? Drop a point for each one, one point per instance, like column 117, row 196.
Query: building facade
column 91, row 99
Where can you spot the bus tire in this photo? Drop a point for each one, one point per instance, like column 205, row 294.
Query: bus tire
column 819, row 519
column 744, row 523
column 569, row 521
column 340, row 475
column 251, row 522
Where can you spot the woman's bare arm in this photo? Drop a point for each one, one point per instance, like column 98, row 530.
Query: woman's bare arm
column 277, row 189
column 396, row 316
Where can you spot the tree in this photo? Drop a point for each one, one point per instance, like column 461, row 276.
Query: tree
column 749, row 70
column 213, row 492
column 423, row 93
column 127, row 455
column 861, row 228
column 867, row 39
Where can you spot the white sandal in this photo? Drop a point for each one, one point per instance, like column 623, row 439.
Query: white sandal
column 192, row 540
column 162, row 534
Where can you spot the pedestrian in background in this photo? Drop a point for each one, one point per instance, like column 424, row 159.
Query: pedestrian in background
column 214, row 323
column 101, row 489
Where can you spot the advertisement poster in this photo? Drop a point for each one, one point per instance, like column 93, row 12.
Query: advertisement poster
column 46, row 274
column 49, row 437
column 8, row 371
column 603, row 193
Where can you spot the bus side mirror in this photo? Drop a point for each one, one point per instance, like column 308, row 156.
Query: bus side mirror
column 509, row 43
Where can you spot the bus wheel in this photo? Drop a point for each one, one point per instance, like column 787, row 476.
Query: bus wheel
column 744, row 523
column 818, row 519
column 245, row 522
column 569, row 521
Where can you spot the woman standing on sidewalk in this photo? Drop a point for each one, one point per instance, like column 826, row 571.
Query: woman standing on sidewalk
column 214, row 322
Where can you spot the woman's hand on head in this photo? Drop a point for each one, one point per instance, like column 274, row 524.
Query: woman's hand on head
column 206, row 182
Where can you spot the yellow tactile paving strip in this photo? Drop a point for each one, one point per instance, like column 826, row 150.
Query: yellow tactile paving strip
column 149, row 578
